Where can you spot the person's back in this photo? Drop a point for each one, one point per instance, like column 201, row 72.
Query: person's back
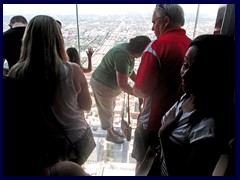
column 24, row 138
column 106, row 71
column 43, row 67
column 65, row 105
column 12, row 40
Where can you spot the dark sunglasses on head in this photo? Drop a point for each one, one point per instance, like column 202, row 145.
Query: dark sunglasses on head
column 163, row 8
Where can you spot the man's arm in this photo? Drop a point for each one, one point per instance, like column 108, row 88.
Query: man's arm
column 122, row 81
column 137, row 92
column 133, row 76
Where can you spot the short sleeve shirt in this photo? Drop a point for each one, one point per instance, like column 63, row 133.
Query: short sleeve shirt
column 159, row 76
column 117, row 59
column 187, row 134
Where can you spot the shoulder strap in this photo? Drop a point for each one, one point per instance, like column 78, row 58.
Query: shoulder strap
column 128, row 109
column 123, row 107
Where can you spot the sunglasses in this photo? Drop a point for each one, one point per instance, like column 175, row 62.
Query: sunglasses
column 163, row 8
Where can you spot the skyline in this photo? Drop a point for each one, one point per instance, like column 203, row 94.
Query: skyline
column 104, row 9
column 69, row 9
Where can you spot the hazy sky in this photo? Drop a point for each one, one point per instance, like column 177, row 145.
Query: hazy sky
column 57, row 9
column 71, row 8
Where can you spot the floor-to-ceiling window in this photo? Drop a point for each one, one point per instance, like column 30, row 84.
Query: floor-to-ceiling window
column 101, row 26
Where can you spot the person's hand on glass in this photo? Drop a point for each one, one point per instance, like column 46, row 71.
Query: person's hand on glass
column 90, row 52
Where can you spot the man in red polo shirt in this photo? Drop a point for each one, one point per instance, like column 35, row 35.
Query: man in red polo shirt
column 158, row 79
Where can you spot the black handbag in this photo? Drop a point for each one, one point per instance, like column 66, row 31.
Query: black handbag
column 83, row 148
column 125, row 126
column 79, row 151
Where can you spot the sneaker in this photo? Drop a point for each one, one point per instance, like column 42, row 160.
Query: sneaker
column 115, row 139
column 118, row 133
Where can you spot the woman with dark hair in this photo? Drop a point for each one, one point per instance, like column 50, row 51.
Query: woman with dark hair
column 55, row 85
column 196, row 129
column 75, row 57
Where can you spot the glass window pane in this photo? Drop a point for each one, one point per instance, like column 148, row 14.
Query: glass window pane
column 101, row 26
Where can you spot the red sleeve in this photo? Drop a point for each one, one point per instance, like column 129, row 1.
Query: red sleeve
column 147, row 74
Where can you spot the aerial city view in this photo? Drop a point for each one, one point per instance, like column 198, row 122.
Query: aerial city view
column 102, row 32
